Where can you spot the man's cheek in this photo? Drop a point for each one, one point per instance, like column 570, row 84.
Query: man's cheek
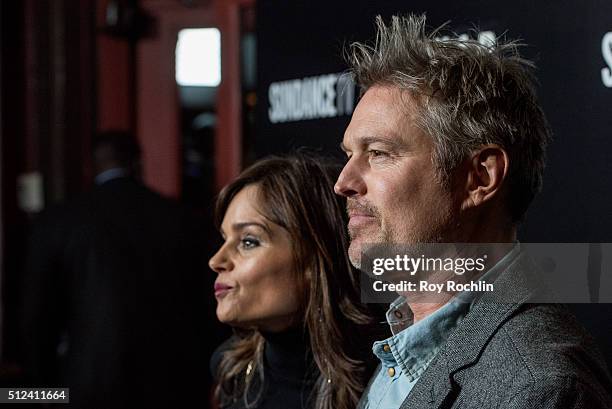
column 384, row 192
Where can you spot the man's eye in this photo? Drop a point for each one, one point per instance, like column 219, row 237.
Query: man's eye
column 376, row 153
column 249, row 243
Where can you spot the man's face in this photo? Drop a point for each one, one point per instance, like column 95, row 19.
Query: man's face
column 390, row 181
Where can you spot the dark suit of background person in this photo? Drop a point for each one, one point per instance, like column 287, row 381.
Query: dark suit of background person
column 114, row 296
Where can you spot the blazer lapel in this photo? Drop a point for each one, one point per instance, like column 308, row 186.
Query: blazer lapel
column 437, row 388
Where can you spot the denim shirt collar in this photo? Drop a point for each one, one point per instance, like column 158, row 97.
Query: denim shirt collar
column 413, row 348
column 413, row 345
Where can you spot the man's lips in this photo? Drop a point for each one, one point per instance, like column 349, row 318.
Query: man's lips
column 357, row 219
column 222, row 289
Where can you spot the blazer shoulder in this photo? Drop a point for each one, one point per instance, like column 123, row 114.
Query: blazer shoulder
column 538, row 356
column 545, row 342
column 560, row 392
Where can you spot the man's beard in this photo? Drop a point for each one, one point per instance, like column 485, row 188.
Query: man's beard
column 367, row 209
column 441, row 232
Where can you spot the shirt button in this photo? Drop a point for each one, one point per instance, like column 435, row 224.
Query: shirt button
column 391, row 372
column 398, row 314
column 386, row 348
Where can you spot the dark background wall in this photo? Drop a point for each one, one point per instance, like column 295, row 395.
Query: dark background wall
column 303, row 39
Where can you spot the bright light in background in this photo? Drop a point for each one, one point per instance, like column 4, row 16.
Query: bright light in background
column 198, row 57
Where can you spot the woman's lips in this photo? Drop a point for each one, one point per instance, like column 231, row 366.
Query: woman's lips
column 222, row 289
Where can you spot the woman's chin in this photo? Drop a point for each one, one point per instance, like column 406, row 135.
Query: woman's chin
column 223, row 315
column 229, row 318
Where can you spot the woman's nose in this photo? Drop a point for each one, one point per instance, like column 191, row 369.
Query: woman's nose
column 220, row 262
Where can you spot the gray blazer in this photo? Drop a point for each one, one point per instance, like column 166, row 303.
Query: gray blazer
column 514, row 354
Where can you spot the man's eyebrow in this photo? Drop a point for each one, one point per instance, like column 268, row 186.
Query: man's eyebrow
column 369, row 140
column 390, row 142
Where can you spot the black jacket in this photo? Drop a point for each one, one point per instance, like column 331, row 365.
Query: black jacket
column 114, row 301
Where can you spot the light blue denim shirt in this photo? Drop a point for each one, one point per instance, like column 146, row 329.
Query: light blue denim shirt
column 406, row 354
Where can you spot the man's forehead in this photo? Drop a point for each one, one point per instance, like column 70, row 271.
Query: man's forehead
column 384, row 97
column 384, row 114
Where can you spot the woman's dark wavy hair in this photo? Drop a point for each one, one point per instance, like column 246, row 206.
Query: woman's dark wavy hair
column 296, row 193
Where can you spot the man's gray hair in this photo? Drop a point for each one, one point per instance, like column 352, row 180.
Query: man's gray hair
column 468, row 94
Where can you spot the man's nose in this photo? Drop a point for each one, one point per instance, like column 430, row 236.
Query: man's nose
column 350, row 182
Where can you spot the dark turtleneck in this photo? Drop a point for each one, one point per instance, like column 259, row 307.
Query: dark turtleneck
column 288, row 371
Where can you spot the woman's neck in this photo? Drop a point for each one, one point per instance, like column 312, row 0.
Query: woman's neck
column 288, row 353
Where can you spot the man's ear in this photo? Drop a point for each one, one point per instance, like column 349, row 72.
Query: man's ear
column 486, row 171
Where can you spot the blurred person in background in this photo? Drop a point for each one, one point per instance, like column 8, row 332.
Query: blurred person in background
column 286, row 286
column 112, row 304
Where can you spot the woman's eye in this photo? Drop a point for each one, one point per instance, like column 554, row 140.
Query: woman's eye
column 249, row 243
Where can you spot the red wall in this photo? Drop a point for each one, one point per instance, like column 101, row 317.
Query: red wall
column 137, row 89
column 114, row 68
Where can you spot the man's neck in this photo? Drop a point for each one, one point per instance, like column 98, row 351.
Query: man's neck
column 422, row 309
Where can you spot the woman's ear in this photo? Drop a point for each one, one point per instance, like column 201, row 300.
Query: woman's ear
column 486, row 172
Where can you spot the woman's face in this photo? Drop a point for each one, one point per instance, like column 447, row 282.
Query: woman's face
column 256, row 286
